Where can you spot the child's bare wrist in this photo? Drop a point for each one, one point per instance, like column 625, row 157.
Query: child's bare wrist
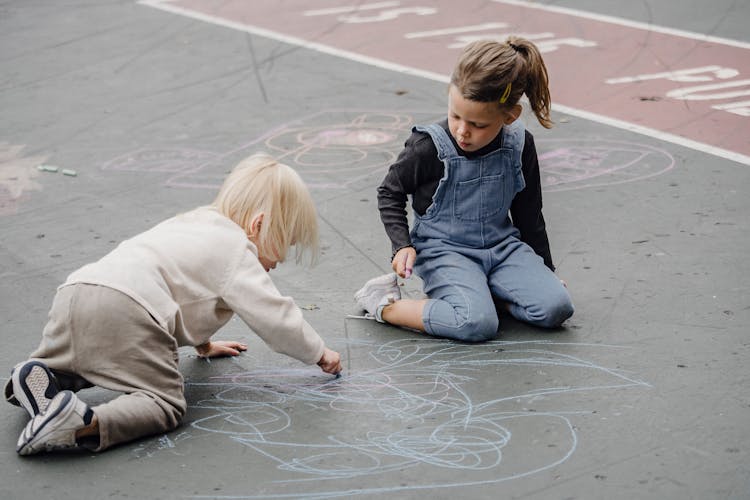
column 203, row 348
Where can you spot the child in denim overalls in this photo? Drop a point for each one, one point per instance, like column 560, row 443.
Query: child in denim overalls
column 467, row 177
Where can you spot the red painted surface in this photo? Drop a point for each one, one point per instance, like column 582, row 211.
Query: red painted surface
column 578, row 74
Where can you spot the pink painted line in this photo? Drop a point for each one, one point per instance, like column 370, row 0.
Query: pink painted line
column 685, row 88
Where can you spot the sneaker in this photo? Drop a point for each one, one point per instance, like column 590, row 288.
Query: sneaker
column 34, row 386
column 55, row 429
column 378, row 293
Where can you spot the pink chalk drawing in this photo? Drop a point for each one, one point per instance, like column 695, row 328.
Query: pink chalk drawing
column 17, row 176
column 349, row 148
column 340, row 149
column 567, row 164
column 180, row 163
column 332, row 149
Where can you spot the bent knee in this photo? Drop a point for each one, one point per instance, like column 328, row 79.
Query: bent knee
column 175, row 412
column 479, row 328
column 553, row 315
column 167, row 409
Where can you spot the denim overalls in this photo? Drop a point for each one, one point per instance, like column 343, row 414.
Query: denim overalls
column 468, row 250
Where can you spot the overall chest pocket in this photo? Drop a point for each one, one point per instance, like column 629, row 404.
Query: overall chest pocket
column 479, row 199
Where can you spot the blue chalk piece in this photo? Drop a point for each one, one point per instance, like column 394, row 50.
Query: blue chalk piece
column 338, row 375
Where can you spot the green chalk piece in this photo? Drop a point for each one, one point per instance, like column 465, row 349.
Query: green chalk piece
column 47, row 168
column 69, row 172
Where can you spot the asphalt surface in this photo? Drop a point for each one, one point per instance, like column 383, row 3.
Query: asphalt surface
column 643, row 394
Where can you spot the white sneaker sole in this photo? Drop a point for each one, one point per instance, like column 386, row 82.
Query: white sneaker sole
column 33, row 386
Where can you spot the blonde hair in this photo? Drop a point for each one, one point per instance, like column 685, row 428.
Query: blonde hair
column 501, row 72
column 260, row 184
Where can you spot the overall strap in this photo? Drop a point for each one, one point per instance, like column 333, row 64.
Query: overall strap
column 514, row 137
column 441, row 139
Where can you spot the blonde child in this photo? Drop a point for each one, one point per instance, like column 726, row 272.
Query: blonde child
column 117, row 323
column 479, row 236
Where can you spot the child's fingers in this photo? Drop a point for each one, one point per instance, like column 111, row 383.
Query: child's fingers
column 237, row 350
column 401, row 272
column 233, row 344
column 395, row 263
column 409, row 264
column 330, row 362
column 406, row 268
column 220, row 348
column 403, row 262
column 335, row 365
column 333, row 368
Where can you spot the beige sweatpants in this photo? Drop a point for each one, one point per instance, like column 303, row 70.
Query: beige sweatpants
column 99, row 336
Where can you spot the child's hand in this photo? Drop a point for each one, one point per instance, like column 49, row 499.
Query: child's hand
column 220, row 348
column 403, row 262
column 330, row 361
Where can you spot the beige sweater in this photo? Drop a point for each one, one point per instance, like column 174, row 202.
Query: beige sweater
column 193, row 272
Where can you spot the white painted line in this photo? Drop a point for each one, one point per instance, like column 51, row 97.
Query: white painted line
column 453, row 31
column 656, row 134
column 281, row 37
column 625, row 22
column 349, row 9
column 683, row 75
column 379, row 63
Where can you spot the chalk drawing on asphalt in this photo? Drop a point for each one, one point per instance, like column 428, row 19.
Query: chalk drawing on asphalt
column 567, row 164
column 446, row 415
column 330, row 150
column 18, row 175
column 349, row 149
column 334, row 150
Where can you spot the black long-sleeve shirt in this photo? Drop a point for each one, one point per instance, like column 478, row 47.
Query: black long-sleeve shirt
column 417, row 172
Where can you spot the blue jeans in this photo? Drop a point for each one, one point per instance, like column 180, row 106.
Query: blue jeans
column 461, row 283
